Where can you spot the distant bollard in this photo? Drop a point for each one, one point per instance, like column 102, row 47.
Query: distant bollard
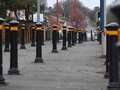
column 43, row 29
column 2, row 80
column 70, row 37
column 7, row 37
column 84, row 35
column 33, row 36
column 97, row 34
column 64, row 38
column 14, row 48
column 91, row 33
column 54, row 38
column 73, row 37
column 79, row 36
column 100, row 37
column 112, row 33
column 23, row 28
column 58, row 37
column 39, row 40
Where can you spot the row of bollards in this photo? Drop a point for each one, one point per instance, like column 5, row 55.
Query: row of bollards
column 69, row 34
column 70, row 38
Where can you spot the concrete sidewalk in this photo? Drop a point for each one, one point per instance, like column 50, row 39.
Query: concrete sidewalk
column 78, row 68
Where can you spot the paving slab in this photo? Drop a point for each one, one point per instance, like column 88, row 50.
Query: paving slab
column 78, row 68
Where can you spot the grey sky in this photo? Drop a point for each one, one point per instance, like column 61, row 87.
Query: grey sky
column 89, row 3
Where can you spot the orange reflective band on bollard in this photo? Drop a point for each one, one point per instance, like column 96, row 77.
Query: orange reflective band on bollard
column 13, row 28
column 33, row 27
column 55, row 28
column 1, row 27
column 111, row 33
column 119, row 35
column 42, row 28
column 7, row 27
column 79, row 30
column 64, row 27
column 38, row 28
column 71, row 29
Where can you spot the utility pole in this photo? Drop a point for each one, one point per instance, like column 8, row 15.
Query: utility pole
column 104, row 36
column 38, row 10
column 57, row 12
column 102, row 14
column 102, row 24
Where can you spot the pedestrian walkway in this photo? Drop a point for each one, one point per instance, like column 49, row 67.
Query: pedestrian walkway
column 78, row 68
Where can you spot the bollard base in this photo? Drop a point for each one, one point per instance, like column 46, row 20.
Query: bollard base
column 22, row 47
column 69, row 45
column 38, row 60
column 14, row 71
column 73, row 44
column 43, row 44
column 102, row 56
column 6, row 50
column 2, row 81
column 54, row 51
column 33, row 45
column 80, row 42
column 106, row 76
column 114, row 86
column 64, row 48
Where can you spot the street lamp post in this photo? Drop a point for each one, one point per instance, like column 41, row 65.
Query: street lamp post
column 38, row 10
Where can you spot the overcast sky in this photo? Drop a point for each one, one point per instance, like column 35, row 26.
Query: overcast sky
column 88, row 3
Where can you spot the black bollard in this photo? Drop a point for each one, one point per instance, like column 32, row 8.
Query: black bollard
column 107, row 56
column 70, row 37
column 14, row 48
column 2, row 80
column 100, row 37
column 23, row 28
column 43, row 27
column 91, row 33
column 73, row 37
column 55, row 38
column 79, row 36
column 58, row 37
column 82, row 34
column 39, row 41
column 112, row 31
column 64, row 38
column 85, row 35
column 7, row 37
column 33, row 36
